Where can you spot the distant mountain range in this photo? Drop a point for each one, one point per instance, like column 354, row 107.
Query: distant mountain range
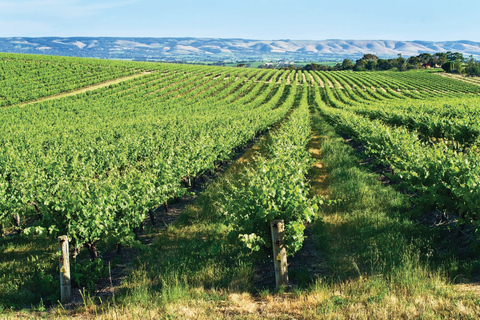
column 200, row 49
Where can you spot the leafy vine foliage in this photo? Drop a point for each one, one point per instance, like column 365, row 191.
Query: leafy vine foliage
column 275, row 186
column 94, row 164
column 429, row 139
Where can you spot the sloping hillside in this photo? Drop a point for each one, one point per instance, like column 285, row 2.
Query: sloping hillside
column 227, row 49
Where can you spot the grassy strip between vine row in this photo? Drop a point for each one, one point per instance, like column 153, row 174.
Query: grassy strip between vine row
column 275, row 187
column 438, row 118
column 442, row 177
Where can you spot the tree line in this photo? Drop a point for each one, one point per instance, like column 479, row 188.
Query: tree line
column 451, row 62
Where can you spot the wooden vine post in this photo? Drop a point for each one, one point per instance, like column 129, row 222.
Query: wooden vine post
column 279, row 253
column 65, row 285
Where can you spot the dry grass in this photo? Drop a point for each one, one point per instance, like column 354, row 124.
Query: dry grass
column 354, row 299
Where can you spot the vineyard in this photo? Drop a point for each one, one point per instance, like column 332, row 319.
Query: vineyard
column 430, row 143
column 101, row 165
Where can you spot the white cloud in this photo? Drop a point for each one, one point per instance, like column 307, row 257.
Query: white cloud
column 63, row 9
column 32, row 18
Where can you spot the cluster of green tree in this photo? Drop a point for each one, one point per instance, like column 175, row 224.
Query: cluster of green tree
column 452, row 62
column 458, row 64
column 472, row 67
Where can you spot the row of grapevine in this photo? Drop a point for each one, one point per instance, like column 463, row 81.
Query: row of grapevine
column 381, row 86
column 444, row 177
column 453, row 119
column 275, row 185
column 444, row 117
column 433, row 83
column 23, row 79
column 94, row 164
column 28, row 77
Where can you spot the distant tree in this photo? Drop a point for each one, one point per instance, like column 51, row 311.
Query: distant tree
column 347, row 64
column 424, row 58
column 455, row 56
column 361, row 62
column 241, row 65
column 360, row 65
column 473, row 71
column 459, row 66
column 383, row 64
column 318, row 67
column 311, row 66
column 401, row 63
column 369, row 56
column 450, row 62
column 433, row 62
column 441, row 58
column 371, row 65
column 473, row 67
column 448, row 66
column 412, row 66
column 413, row 61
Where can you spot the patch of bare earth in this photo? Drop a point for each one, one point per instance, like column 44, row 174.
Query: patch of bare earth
column 288, row 80
column 330, row 84
column 460, row 78
column 339, row 84
column 312, row 80
column 304, row 79
column 319, row 81
column 89, row 88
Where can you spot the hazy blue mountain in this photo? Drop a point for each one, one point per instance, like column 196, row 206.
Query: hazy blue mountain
column 200, row 49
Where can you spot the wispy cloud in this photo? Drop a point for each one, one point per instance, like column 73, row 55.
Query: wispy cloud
column 58, row 8
column 24, row 28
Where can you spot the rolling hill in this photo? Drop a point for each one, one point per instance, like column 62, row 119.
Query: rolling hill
column 204, row 49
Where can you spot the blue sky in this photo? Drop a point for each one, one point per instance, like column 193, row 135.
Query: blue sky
column 261, row 19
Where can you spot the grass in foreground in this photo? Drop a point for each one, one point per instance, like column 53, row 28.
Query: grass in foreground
column 27, row 271
column 382, row 264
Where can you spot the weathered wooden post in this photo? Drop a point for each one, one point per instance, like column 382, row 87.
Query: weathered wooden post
column 152, row 216
column 65, row 285
column 18, row 222
column 279, row 253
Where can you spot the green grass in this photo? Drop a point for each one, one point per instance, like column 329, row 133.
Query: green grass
column 28, row 273
column 367, row 231
column 374, row 250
